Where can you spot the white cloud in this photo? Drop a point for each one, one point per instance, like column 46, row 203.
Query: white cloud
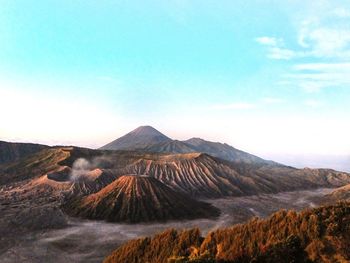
column 323, row 66
column 271, row 100
column 341, row 12
column 329, row 42
column 234, row 106
column 320, row 34
column 276, row 49
column 323, row 37
column 281, row 53
column 268, row 41
column 313, row 77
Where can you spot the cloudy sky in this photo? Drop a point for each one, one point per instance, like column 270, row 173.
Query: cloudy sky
column 269, row 77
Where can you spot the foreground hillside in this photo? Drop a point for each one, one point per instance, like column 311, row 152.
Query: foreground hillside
column 317, row 235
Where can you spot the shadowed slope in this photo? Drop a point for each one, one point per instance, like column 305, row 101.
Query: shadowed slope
column 139, row 199
column 10, row 151
column 34, row 165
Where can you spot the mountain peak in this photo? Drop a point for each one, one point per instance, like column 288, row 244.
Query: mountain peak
column 146, row 130
column 137, row 139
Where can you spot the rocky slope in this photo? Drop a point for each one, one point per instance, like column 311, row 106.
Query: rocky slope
column 33, row 165
column 224, row 151
column 202, row 175
column 135, row 198
column 341, row 193
column 317, row 235
column 10, row 152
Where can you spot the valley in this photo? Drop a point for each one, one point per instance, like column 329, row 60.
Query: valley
column 90, row 241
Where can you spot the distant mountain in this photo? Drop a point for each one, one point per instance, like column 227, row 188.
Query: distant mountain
column 146, row 138
column 10, row 151
column 140, row 138
column 223, row 151
column 137, row 198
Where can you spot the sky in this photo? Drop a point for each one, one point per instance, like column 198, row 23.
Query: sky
column 269, row 77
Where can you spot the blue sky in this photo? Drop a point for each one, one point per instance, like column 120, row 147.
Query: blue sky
column 269, row 77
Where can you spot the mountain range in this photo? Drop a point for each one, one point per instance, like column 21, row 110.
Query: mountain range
column 148, row 139
column 194, row 168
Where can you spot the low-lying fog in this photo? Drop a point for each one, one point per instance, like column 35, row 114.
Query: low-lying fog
column 90, row 241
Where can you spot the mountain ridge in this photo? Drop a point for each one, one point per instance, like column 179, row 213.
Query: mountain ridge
column 140, row 139
column 13, row 151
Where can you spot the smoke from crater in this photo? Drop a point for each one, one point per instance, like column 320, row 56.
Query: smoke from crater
column 80, row 168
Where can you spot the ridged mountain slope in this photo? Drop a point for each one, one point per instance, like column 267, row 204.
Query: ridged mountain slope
column 196, row 174
column 135, row 198
column 202, row 175
column 224, row 151
column 34, row 165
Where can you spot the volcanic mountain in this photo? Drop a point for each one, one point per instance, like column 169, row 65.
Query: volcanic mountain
column 140, row 138
column 148, row 139
column 135, row 198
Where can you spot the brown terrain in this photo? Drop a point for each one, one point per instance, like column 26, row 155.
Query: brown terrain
column 341, row 193
column 137, row 198
column 317, row 235
column 41, row 187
